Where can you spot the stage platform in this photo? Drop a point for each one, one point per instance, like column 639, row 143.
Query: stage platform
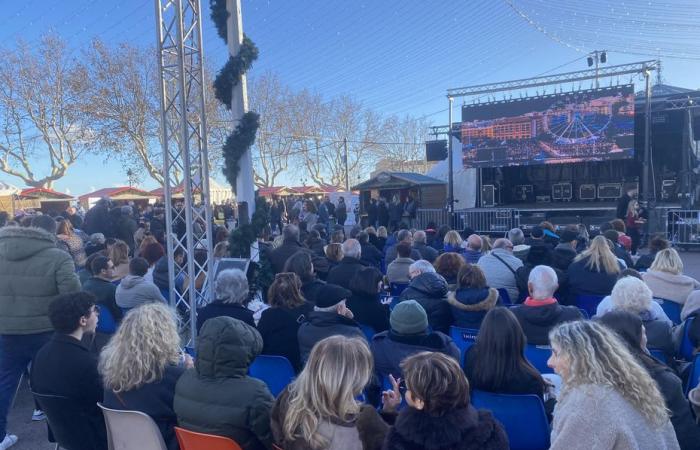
column 561, row 206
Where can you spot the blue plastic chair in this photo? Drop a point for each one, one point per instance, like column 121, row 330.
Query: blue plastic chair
column 464, row 338
column 275, row 371
column 589, row 303
column 538, row 356
column 106, row 324
column 505, row 296
column 672, row 310
column 694, row 377
column 522, row 416
column 686, row 346
column 395, row 300
column 397, row 288
column 368, row 331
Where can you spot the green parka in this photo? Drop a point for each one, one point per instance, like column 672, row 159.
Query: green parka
column 33, row 271
column 217, row 396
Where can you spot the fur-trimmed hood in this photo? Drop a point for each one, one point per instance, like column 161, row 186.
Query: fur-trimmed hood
column 472, row 300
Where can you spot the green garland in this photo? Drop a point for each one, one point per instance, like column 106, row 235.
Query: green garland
column 242, row 237
column 237, row 143
column 229, row 75
column 219, row 15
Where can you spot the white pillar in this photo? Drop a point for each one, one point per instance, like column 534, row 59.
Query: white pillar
column 245, row 188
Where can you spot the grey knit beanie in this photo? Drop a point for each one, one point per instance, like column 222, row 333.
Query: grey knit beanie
column 409, row 317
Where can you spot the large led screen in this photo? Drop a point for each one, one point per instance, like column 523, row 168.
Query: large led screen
column 593, row 125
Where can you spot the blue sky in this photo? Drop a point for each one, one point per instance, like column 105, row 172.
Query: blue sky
column 396, row 56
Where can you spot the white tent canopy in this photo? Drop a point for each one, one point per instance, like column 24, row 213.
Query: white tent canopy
column 8, row 189
column 464, row 179
column 219, row 193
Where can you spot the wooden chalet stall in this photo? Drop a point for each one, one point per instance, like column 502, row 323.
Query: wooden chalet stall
column 119, row 196
column 8, row 194
column 427, row 191
column 45, row 200
column 218, row 193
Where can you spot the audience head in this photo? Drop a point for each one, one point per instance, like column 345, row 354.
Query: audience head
column 619, row 226
column 300, row 264
column 221, row 250
column 404, row 236
column 516, row 236
column 628, row 326
column 403, row 250
column 539, row 255
column 542, row 283
column 569, row 236
column 537, row 232
column 605, row 226
column 409, row 318
column 337, row 371
column 285, row 291
column 334, row 252
column 352, row 249
column 419, row 237
column 600, row 256
column 504, row 244
column 629, row 273
column 658, row 243
column 65, row 228
column 382, row 232
column 471, row 276
column 90, row 259
column 474, row 242
column 290, row 232
column 152, row 253
column 119, row 253
column 448, row 265
column 70, row 312
column 366, row 282
column 44, row 222
column 585, row 352
column 419, row 267
column 371, row 231
column 332, row 298
column 668, row 260
column 138, row 267
column 485, row 243
column 231, row 286
column 546, row 225
column 363, row 238
column 435, row 383
column 102, row 267
column 632, row 294
column 145, row 343
column 337, row 237
column 612, row 236
column 453, row 239
column 97, row 239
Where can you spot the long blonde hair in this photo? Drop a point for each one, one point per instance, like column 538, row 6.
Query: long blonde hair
column 336, row 372
column 119, row 253
column 144, row 344
column 452, row 238
column 598, row 356
column 600, row 257
column 667, row 260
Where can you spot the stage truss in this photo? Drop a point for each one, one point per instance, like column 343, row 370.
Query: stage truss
column 185, row 156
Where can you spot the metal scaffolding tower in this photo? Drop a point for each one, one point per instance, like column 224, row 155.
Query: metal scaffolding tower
column 185, row 161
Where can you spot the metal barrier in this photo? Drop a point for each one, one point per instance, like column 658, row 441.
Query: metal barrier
column 425, row 216
column 487, row 220
column 684, row 227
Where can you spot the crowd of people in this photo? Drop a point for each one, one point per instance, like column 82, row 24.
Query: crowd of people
column 364, row 320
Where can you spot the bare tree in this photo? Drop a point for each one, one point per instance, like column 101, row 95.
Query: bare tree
column 274, row 142
column 404, row 150
column 41, row 98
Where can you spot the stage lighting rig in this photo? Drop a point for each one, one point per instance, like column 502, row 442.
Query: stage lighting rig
column 597, row 57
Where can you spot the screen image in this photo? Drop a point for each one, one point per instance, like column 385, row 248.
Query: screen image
column 592, row 125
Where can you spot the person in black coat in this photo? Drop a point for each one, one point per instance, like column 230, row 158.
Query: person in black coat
column 280, row 323
column 382, row 213
column 126, row 226
column 364, row 303
column 538, row 255
column 290, row 245
column 315, row 243
column 565, row 252
column 593, row 272
column 64, row 366
column 395, row 213
column 656, row 244
column 473, row 297
column 100, row 285
column 439, row 414
column 370, row 256
column 430, row 290
column 348, row 266
column 231, row 293
column 341, row 212
column 372, row 213
column 541, row 311
column 301, row 265
column 97, row 219
column 629, row 327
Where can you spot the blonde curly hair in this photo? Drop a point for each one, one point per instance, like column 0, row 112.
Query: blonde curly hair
column 144, row 344
column 598, row 356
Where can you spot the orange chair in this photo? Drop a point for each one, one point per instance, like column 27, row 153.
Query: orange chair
column 190, row 440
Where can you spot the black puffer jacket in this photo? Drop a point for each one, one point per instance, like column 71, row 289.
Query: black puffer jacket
column 390, row 348
column 430, row 290
column 217, row 396
column 460, row 429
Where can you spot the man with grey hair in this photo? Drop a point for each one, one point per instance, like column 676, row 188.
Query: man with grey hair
column 541, row 311
column 402, row 236
column 500, row 266
column 330, row 317
column 430, row 290
column 291, row 245
column 517, row 237
column 473, row 251
column 231, row 298
column 348, row 267
column 419, row 243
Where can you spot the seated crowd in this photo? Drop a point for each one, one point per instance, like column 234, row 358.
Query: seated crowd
column 373, row 328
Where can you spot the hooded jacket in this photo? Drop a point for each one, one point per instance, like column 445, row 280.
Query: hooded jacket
column 538, row 320
column 390, row 348
column 135, row 290
column 320, row 325
column 459, row 429
column 668, row 286
column 217, row 396
column 33, row 271
column 430, row 290
column 469, row 306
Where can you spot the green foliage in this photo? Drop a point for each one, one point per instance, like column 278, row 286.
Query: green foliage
column 230, row 75
column 237, row 143
column 242, row 237
column 219, row 15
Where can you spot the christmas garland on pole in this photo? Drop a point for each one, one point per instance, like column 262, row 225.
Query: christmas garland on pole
column 243, row 137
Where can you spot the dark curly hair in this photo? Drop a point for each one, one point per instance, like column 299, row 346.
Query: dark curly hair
column 448, row 265
column 66, row 310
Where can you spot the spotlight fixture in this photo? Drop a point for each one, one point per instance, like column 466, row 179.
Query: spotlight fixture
column 603, row 57
column 590, row 61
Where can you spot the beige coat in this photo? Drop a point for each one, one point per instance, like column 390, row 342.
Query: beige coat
column 670, row 287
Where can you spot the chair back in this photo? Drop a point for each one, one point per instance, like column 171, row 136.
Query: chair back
column 395, row 300
column 397, row 288
column 672, row 310
column 505, row 296
column 522, row 416
column 70, row 425
column 538, row 356
column 106, row 323
column 694, row 377
column 129, row 430
column 463, row 338
column 368, row 331
column 686, row 345
column 191, row 440
column 276, row 371
column 589, row 303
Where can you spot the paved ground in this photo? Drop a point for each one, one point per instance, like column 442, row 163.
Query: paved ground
column 32, row 435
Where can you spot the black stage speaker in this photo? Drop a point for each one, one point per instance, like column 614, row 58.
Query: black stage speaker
column 436, row 150
column 524, row 193
column 586, row 192
column 488, row 196
column 561, row 191
column 669, row 190
column 609, row 191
